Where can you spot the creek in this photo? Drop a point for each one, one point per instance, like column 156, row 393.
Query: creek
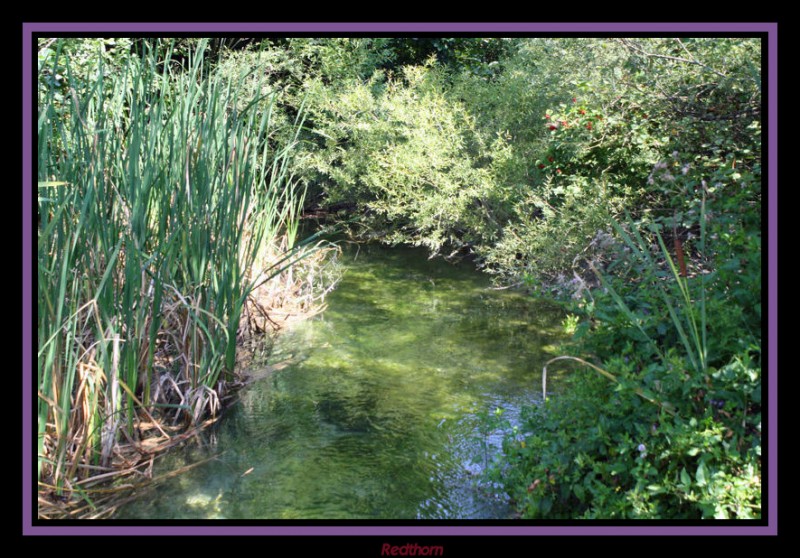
column 378, row 414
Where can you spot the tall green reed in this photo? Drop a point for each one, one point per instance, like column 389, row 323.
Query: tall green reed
column 157, row 200
column 686, row 313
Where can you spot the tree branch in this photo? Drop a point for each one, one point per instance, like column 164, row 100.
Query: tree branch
column 639, row 50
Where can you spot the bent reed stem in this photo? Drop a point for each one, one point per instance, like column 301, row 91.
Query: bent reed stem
column 639, row 392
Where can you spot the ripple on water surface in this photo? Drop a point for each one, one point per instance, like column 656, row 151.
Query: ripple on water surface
column 376, row 418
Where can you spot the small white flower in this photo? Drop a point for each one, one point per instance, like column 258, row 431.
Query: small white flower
column 642, row 448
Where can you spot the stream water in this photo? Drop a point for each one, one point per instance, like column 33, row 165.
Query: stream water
column 378, row 416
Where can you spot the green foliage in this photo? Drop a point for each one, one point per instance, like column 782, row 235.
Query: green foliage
column 479, row 57
column 65, row 63
column 622, row 176
column 447, row 142
column 598, row 452
column 406, row 155
column 595, row 451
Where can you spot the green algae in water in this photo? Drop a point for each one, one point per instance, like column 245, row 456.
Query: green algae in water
column 377, row 417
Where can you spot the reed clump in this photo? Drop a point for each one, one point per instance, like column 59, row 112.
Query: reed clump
column 168, row 223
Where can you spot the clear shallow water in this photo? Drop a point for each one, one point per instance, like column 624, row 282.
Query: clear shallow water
column 376, row 418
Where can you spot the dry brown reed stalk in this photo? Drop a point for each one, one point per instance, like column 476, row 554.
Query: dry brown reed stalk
column 177, row 401
column 296, row 293
column 102, row 493
column 126, row 464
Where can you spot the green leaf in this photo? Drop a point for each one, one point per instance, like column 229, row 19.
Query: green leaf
column 685, row 478
column 701, row 474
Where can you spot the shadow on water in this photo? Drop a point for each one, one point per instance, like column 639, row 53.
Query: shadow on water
column 377, row 417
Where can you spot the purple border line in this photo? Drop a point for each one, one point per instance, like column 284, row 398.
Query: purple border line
column 772, row 286
column 398, row 27
column 399, row 531
column 27, row 281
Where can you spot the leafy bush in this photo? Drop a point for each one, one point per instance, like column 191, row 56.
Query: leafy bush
column 407, row 156
column 598, row 452
column 527, row 153
column 602, row 450
column 580, row 182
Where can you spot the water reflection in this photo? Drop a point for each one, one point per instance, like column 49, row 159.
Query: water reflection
column 376, row 418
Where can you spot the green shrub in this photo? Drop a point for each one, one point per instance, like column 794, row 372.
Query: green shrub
column 600, row 449
column 604, row 453
column 403, row 153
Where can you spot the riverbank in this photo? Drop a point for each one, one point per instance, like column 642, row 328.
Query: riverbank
column 167, row 238
column 293, row 295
